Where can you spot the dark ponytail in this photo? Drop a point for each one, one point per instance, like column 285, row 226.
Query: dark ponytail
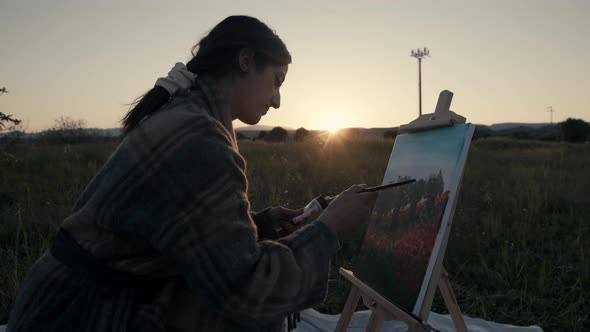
column 216, row 55
column 143, row 106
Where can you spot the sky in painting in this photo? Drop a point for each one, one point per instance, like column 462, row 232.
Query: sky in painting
column 423, row 154
column 506, row 61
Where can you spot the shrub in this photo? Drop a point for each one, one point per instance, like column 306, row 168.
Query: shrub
column 301, row 134
column 277, row 134
column 574, row 130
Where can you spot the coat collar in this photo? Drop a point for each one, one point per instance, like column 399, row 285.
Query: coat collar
column 214, row 97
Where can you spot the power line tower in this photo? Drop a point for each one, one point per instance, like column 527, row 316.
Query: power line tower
column 419, row 54
column 550, row 110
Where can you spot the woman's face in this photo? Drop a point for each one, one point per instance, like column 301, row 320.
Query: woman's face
column 257, row 91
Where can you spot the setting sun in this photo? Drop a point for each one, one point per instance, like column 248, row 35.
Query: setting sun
column 332, row 129
column 332, row 124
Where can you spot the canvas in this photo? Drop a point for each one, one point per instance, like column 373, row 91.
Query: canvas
column 408, row 223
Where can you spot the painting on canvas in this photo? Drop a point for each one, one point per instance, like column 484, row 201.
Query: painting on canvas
column 408, row 222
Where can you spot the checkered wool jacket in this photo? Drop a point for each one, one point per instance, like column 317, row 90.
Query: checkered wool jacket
column 169, row 212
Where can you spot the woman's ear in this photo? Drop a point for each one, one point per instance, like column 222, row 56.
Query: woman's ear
column 246, row 60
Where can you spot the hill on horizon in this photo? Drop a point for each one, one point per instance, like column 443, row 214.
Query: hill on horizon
column 511, row 125
column 505, row 128
column 259, row 128
column 494, row 127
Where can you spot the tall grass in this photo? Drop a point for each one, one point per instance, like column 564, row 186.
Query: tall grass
column 39, row 183
column 518, row 252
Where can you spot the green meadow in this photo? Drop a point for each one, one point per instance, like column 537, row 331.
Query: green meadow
column 519, row 250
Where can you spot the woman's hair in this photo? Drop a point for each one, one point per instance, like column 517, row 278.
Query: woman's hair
column 217, row 55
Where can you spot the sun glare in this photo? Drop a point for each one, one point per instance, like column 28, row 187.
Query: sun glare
column 331, row 123
column 332, row 127
column 332, row 130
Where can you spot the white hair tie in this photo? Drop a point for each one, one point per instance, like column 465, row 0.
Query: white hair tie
column 179, row 80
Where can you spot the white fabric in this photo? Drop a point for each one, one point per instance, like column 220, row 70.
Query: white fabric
column 179, row 79
column 313, row 321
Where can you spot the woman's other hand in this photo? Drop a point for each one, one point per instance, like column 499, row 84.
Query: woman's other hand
column 281, row 216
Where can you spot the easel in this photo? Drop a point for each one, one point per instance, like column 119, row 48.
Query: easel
column 382, row 309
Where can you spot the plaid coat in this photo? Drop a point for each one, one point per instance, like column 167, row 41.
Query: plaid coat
column 171, row 206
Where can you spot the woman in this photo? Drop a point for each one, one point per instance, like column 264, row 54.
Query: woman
column 162, row 239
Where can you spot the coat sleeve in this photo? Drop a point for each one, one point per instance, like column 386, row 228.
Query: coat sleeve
column 194, row 209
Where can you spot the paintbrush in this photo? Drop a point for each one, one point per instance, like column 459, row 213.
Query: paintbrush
column 318, row 204
column 389, row 185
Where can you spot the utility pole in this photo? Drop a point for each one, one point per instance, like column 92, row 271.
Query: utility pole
column 550, row 110
column 419, row 54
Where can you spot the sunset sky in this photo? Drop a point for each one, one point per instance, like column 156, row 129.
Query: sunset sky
column 506, row 61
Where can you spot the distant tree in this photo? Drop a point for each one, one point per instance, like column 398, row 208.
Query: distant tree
column 574, row 130
column 69, row 124
column 67, row 129
column 277, row 134
column 262, row 134
column 241, row 136
column 5, row 119
column 301, row 134
column 390, row 133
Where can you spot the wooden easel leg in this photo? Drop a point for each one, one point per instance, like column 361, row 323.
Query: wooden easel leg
column 375, row 321
column 351, row 303
column 451, row 301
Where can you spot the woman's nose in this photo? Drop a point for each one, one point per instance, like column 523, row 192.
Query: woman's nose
column 275, row 102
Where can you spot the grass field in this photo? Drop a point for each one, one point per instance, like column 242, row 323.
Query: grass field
column 519, row 250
